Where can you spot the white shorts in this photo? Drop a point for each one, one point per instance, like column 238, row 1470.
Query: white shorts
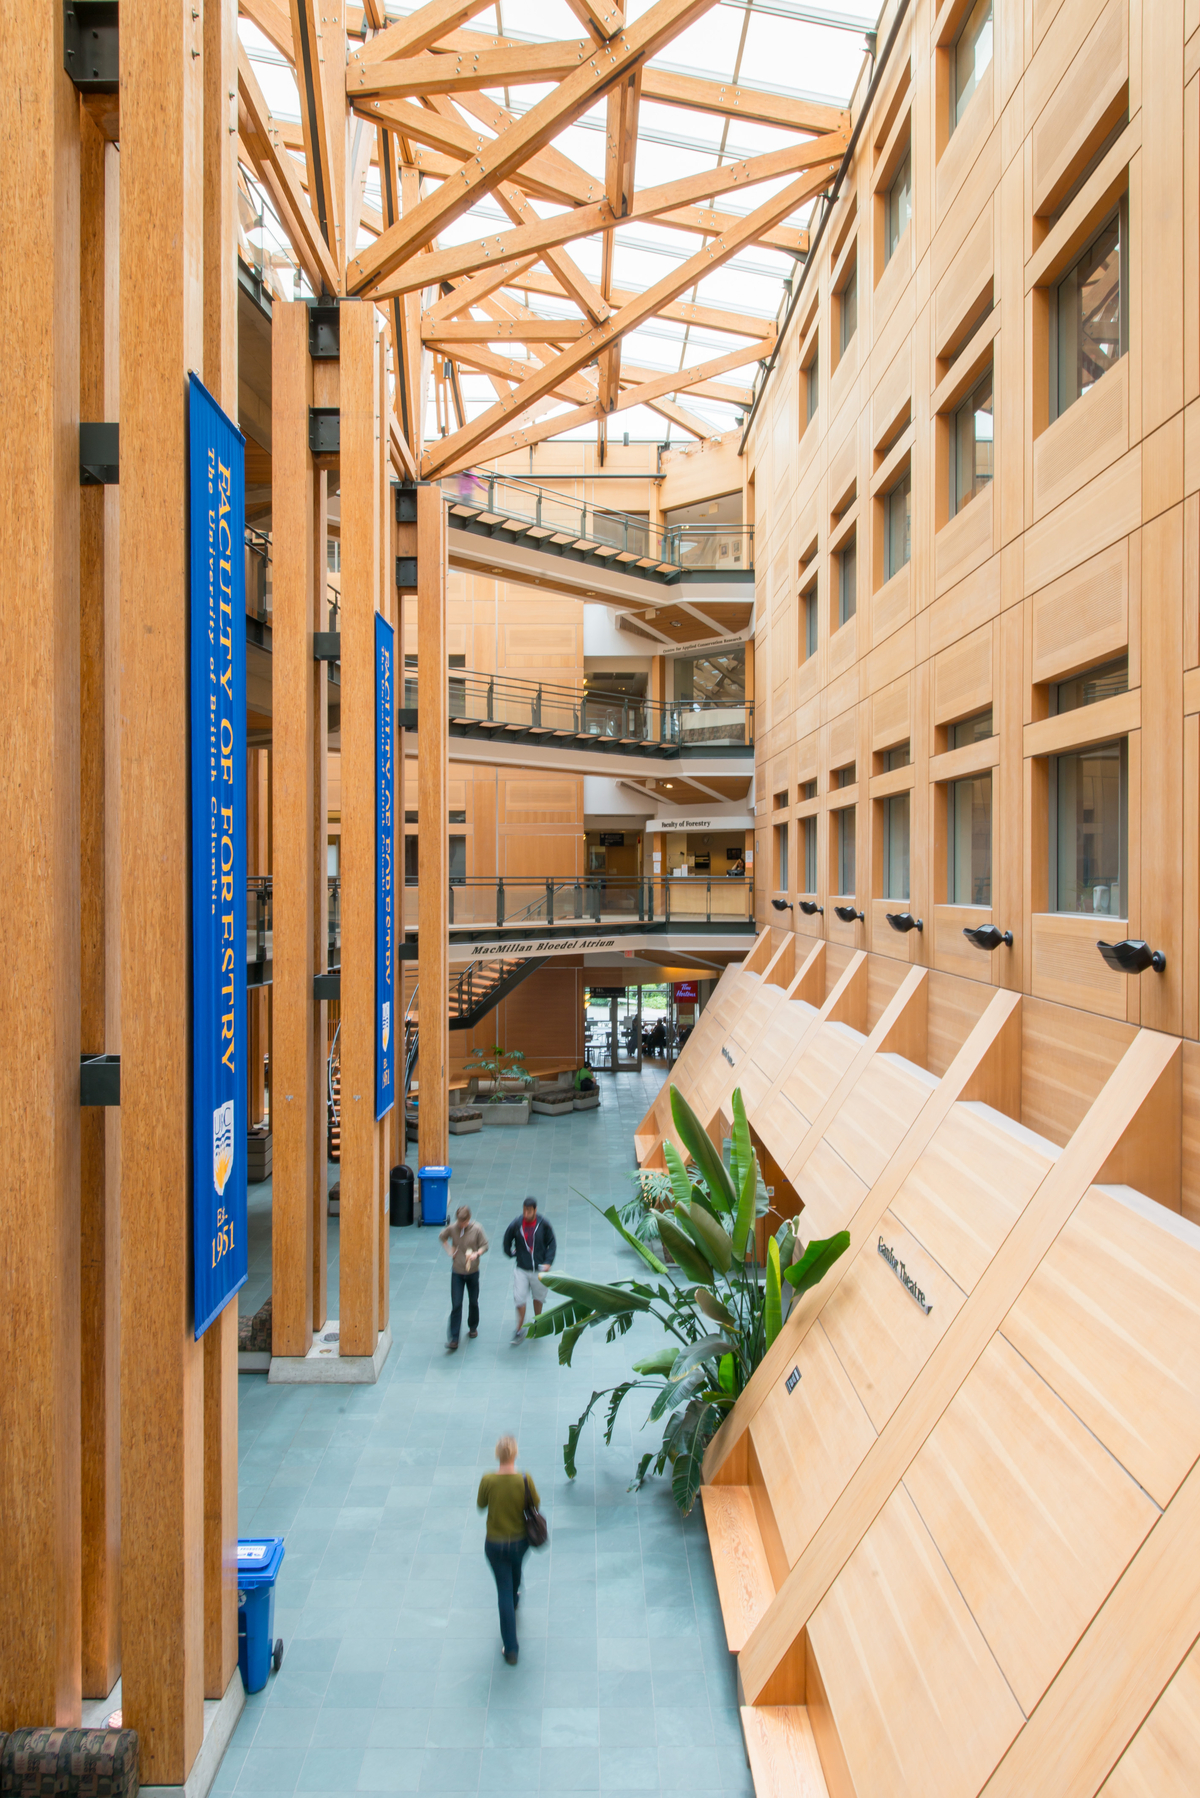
column 526, row 1285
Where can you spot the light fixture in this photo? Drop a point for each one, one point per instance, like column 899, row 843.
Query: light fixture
column 1133, row 956
column 903, row 921
column 781, row 905
column 848, row 914
column 988, row 937
column 810, row 908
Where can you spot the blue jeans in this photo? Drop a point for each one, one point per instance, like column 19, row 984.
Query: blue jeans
column 505, row 1560
column 457, row 1283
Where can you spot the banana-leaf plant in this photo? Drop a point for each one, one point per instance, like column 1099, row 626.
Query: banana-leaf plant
column 720, row 1311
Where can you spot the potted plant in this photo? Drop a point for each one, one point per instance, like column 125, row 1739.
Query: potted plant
column 504, row 1086
column 719, row 1310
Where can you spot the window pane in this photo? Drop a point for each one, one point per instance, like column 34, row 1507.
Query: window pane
column 810, row 855
column 972, row 730
column 895, row 847
column 973, row 445
column 849, row 307
column 1091, row 796
column 781, row 858
column 897, row 541
column 1104, row 682
column 712, row 679
column 848, row 583
column 845, row 828
column 458, row 860
column 1089, row 316
column 411, row 863
column 972, row 54
column 899, row 757
column 810, row 625
column 969, row 821
column 813, row 377
column 899, row 208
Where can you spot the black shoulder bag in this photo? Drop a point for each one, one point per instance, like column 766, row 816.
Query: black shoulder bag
column 536, row 1527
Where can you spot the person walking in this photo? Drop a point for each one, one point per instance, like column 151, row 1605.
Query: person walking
column 529, row 1240
column 504, row 1496
column 466, row 1244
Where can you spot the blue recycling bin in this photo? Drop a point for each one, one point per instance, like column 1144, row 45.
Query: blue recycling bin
column 259, row 1561
column 435, row 1193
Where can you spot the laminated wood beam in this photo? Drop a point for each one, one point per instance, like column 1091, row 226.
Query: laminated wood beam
column 321, row 119
column 279, row 174
column 472, row 290
column 99, row 1224
column 39, row 706
column 503, row 155
column 679, row 415
column 273, row 21
column 162, row 1365
column 728, row 101
column 654, row 203
column 523, row 66
column 433, row 962
column 619, row 161
column 448, row 333
column 360, row 451
column 684, row 312
column 412, row 35
column 602, row 18
column 293, row 1071
column 221, row 379
column 643, row 395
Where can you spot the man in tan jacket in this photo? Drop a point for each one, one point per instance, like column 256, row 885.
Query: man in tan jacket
column 466, row 1244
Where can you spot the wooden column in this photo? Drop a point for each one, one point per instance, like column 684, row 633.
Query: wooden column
column 433, row 943
column 221, row 378
column 39, row 840
column 100, row 1165
column 360, row 1199
column 293, row 722
column 319, row 1189
column 162, row 1366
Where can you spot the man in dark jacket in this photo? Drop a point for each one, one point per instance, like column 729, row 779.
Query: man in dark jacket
column 530, row 1241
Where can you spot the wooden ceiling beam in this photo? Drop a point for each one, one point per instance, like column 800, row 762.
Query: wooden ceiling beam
column 602, row 19
column 695, row 94
column 448, row 332
column 652, row 203
column 683, row 312
column 319, row 121
column 418, row 32
column 279, row 174
column 644, row 394
column 448, row 136
column 450, row 73
column 504, row 155
column 273, row 21
column 472, row 290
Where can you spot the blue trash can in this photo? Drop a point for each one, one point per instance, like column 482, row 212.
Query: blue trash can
column 259, row 1561
column 435, row 1193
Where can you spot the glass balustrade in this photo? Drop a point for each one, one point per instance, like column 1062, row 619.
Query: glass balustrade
column 538, row 512
column 499, row 702
column 484, row 902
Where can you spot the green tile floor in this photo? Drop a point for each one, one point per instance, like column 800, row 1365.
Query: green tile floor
column 393, row 1678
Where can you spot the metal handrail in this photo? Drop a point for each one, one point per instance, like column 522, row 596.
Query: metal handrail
column 477, row 696
column 628, row 537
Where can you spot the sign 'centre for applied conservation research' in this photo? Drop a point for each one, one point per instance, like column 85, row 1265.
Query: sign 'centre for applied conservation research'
column 218, row 762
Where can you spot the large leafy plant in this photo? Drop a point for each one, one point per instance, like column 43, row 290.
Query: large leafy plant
column 719, row 1309
column 501, row 1065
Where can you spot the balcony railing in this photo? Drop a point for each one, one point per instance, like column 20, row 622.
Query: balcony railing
column 618, row 537
column 498, row 702
column 260, row 928
column 488, row 902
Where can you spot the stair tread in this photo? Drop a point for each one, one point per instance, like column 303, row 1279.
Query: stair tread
column 782, row 1752
column 744, row 1583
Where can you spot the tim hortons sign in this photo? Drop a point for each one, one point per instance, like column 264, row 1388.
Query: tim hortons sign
column 905, row 1278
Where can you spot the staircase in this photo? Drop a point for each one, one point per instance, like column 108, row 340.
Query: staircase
column 476, row 991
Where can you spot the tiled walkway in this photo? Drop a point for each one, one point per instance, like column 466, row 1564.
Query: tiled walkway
column 393, row 1679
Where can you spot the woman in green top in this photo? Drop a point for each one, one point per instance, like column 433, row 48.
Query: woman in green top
column 502, row 1496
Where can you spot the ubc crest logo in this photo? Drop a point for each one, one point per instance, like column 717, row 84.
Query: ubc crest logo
column 222, row 1145
column 387, row 1021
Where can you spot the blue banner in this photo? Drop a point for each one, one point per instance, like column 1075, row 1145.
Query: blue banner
column 385, row 883
column 218, row 732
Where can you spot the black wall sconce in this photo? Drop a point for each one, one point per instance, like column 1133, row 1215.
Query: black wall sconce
column 1133, row 956
column 903, row 921
column 987, row 937
column 848, row 914
column 781, row 904
column 811, row 909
